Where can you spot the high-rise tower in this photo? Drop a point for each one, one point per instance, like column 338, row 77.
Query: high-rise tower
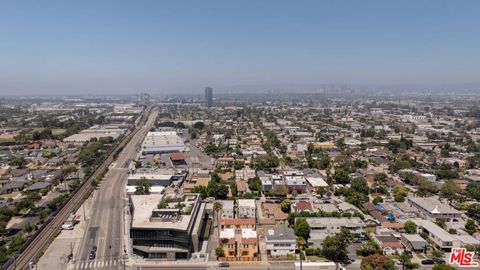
column 208, row 96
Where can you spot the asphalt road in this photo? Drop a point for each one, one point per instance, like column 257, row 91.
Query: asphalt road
column 106, row 223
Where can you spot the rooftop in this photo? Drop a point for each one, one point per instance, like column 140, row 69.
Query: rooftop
column 433, row 205
column 329, row 221
column 147, row 215
column 281, row 233
column 246, row 203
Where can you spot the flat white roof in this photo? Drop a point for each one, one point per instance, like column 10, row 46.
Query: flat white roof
column 249, row 233
column 227, row 233
column 246, row 203
column 436, row 230
column 150, row 176
column 317, row 182
column 159, row 139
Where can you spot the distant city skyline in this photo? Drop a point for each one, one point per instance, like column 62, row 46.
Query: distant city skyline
column 166, row 47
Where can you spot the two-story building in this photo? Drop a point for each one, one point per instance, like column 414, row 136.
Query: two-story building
column 432, row 208
column 281, row 241
column 246, row 208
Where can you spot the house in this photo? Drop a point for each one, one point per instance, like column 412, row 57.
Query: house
column 272, row 214
column 38, row 186
column 346, row 207
column 440, row 238
column 266, row 183
column 228, row 209
column 302, row 206
column 389, row 243
column 296, row 183
column 13, row 186
column 280, row 241
column 413, row 242
column 321, row 227
column 225, row 161
column 247, row 208
column 241, row 187
column 239, row 245
column 237, row 223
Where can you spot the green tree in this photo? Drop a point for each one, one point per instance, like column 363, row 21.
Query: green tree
column 341, row 176
column 470, row 226
column 255, row 184
column 285, row 205
column 437, row 254
column 143, row 187
column 219, row 252
column 377, row 199
column 410, row 226
column 217, row 207
column 399, row 193
column 322, row 191
column 199, row 125
column 377, row 262
column 450, row 190
column 200, row 189
column 302, row 228
column 335, row 247
column 406, row 262
column 359, row 184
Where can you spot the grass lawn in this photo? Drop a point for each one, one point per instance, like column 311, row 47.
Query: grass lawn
column 10, row 195
column 58, row 131
column 6, row 140
column 314, row 258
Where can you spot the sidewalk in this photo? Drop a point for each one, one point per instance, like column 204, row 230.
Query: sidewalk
column 68, row 241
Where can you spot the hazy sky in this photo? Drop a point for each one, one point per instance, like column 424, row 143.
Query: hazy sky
column 101, row 47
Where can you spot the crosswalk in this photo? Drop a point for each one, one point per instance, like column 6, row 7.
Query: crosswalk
column 97, row 264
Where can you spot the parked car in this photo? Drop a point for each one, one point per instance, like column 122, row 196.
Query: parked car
column 428, row 262
column 67, row 226
column 224, row 264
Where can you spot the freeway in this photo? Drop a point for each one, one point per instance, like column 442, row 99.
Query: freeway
column 106, row 222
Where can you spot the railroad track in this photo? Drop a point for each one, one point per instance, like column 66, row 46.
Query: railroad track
column 34, row 247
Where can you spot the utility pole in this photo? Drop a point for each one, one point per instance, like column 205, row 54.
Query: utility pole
column 84, row 216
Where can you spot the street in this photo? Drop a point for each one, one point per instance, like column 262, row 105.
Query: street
column 105, row 227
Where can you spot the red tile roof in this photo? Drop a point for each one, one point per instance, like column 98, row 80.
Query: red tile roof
column 238, row 221
column 177, row 156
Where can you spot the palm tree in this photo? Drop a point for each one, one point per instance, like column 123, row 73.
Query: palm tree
column 217, row 206
column 301, row 243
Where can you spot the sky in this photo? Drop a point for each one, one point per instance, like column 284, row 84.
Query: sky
column 127, row 47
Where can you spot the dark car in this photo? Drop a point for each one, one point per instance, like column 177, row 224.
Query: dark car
column 92, row 255
column 439, row 261
column 94, row 248
column 428, row 262
column 223, row 264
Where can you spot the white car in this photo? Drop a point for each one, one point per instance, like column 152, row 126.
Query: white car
column 67, row 226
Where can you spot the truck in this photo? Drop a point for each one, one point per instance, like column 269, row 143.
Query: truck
column 69, row 224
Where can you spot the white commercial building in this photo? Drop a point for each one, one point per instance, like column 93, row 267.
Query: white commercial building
column 162, row 142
